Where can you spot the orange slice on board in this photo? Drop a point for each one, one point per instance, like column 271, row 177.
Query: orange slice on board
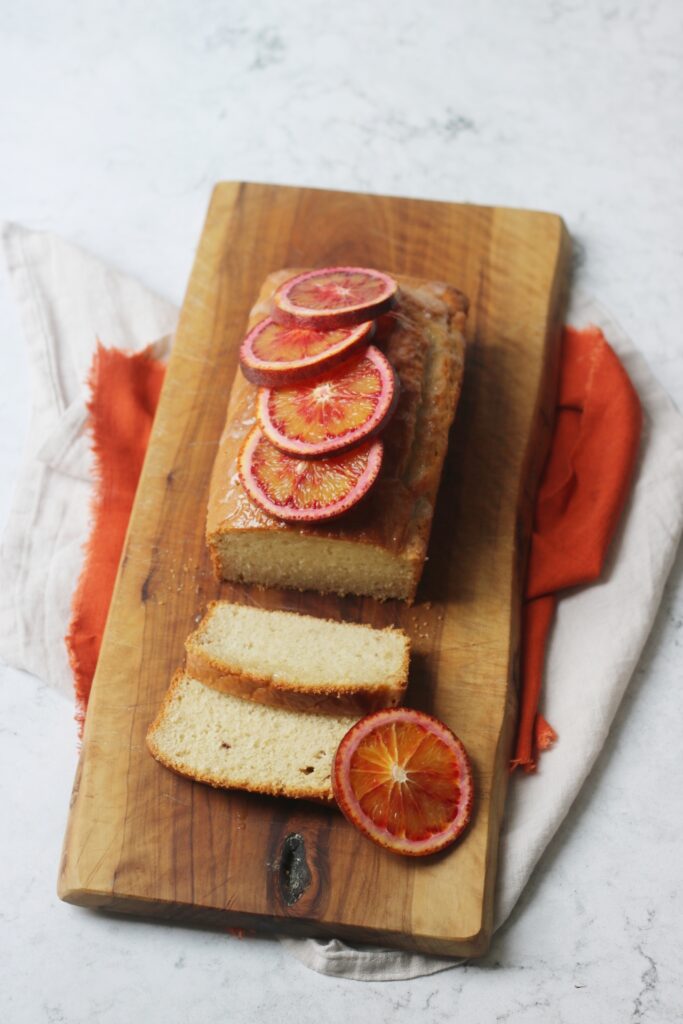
column 306, row 490
column 334, row 297
column 275, row 356
column 404, row 779
column 332, row 412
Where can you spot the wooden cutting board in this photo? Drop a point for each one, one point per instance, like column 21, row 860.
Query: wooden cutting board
column 142, row 840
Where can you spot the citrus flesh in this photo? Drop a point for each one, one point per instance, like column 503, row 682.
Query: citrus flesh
column 332, row 412
column 297, row 489
column 404, row 779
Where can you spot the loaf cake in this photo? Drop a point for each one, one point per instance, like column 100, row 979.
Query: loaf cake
column 227, row 742
column 285, row 659
column 377, row 548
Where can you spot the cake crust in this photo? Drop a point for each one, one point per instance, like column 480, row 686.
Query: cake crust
column 424, row 341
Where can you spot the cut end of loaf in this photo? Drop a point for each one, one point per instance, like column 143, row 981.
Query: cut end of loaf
column 303, row 562
column 227, row 742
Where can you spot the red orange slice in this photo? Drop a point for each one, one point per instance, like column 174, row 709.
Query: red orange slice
column 275, row 356
column 404, row 779
column 334, row 297
column 306, row 490
column 332, row 412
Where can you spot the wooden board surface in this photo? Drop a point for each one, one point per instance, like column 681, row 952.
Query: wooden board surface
column 142, row 840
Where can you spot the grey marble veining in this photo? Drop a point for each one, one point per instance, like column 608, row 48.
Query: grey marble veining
column 115, row 120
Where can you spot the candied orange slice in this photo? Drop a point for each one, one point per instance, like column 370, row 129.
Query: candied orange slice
column 404, row 779
column 332, row 412
column 306, row 490
column 275, row 356
column 334, row 297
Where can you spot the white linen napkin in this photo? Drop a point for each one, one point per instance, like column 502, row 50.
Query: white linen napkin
column 68, row 299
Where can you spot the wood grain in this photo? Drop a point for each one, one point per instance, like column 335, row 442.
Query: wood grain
column 141, row 840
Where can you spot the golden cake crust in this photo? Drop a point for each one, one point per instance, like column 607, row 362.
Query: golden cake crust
column 426, row 345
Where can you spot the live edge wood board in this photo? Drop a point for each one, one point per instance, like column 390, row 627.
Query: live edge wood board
column 144, row 841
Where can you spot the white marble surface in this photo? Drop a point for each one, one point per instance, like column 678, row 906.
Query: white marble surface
column 115, row 119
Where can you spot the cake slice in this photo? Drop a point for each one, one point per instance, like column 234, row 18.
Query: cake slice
column 238, row 744
column 285, row 659
column 377, row 548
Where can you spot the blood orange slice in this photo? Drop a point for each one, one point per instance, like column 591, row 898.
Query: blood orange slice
column 306, row 490
column 333, row 412
column 277, row 356
column 334, row 297
column 404, row 779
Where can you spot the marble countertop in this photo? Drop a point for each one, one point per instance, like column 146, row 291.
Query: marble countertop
column 116, row 120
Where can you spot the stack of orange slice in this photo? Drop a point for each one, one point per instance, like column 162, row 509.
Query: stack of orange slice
column 325, row 393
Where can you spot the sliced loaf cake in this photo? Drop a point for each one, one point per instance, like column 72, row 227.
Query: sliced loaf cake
column 300, row 662
column 216, row 738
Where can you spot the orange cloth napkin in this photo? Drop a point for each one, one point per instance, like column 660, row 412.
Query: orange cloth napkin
column 124, row 392
column 584, row 486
